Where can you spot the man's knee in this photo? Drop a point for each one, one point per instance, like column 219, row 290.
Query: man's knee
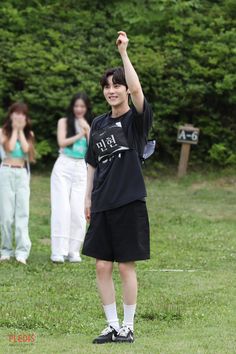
column 126, row 269
column 103, row 267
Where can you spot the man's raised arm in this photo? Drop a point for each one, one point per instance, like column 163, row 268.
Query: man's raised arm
column 131, row 76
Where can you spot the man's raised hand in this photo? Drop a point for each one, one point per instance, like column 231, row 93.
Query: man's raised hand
column 122, row 42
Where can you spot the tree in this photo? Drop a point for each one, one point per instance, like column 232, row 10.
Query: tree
column 184, row 52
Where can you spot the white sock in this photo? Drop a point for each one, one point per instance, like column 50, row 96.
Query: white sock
column 111, row 315
column 129, row 312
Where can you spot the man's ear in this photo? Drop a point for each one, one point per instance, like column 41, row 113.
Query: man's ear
column 128, row 91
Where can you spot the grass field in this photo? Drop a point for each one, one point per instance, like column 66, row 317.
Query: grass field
column 187, row 291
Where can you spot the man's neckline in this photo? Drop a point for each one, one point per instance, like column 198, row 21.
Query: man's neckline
column 118, row 117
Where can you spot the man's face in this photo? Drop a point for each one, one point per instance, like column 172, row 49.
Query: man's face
column 115, row 94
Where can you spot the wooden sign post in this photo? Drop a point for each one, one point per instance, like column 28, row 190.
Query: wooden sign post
column 187, row 135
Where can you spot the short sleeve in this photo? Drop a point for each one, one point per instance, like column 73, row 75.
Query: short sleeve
column 143, row 121
column 90, row 157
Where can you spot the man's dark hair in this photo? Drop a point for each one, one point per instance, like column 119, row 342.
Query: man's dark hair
column 118, row 77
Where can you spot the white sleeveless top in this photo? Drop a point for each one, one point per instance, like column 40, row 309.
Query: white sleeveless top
column 77, row 130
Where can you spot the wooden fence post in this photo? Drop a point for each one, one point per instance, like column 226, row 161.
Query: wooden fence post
column 187, row 136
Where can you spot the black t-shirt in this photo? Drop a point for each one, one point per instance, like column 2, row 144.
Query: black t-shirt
column 115, row 148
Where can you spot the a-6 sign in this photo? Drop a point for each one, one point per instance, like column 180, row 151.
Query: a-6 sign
column 188, row 134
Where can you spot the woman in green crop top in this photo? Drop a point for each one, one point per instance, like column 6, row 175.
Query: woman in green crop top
column 17, row 150
column 68, row 182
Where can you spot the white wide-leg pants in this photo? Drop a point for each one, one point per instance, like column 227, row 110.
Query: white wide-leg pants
column 68, row 224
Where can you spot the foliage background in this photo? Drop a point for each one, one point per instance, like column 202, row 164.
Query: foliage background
column 184, row 52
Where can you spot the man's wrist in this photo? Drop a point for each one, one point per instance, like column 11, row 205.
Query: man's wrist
column 124, row 54
column 88, row 198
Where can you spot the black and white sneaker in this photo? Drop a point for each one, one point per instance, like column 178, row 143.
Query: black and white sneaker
column 106, row 336
column 124, row 335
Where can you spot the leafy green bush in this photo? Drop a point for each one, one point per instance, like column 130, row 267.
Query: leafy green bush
column 222, row 155
column 184, row 52
column 42, row 149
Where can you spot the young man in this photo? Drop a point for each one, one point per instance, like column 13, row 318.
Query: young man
column 115, row 198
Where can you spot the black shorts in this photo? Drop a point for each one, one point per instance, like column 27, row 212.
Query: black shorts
column 120, row 234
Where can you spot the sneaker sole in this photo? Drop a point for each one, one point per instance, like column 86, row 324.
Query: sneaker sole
column 123, row 341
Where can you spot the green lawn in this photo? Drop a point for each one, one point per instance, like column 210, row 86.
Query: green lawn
column 187, row 294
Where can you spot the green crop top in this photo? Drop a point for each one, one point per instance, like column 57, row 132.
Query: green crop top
column 17, row 153
column 77, row 150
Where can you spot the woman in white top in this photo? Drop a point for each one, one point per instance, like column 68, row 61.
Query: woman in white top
column 68, row 182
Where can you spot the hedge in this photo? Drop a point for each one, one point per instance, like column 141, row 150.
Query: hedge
column 183, row 51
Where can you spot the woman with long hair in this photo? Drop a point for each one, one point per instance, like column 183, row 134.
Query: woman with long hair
column 68, row 182
column 17, row 150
